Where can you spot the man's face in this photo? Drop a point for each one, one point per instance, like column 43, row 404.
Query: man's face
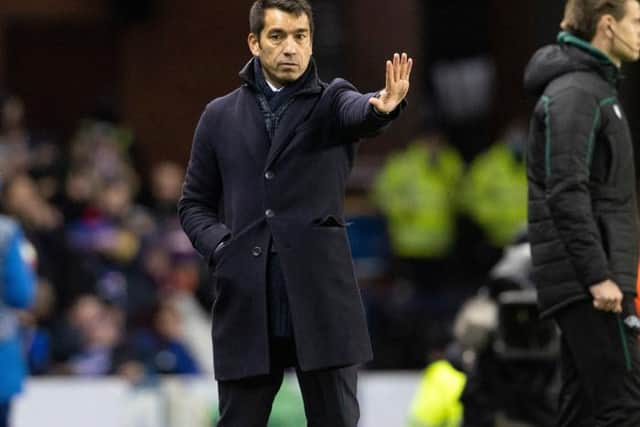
column 628, row 29
column 284, row 47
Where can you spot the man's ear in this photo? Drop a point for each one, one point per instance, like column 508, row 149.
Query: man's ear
column 605, row 24
column 254, row 44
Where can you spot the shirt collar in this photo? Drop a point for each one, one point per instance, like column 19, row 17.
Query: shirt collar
column 272, row 87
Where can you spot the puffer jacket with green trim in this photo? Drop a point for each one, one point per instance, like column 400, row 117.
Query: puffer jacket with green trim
column 581, row 180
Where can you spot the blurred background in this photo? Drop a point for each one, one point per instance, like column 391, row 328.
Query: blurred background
column 99, row 100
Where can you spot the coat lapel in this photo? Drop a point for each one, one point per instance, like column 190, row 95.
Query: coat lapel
column 254, row 132
column 295, row 116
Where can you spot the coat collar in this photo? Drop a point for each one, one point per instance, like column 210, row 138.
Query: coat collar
column 294, row 117
column 248, row 76
column 593, row 57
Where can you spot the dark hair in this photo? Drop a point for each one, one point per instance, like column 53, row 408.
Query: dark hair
column 294, row 7
column 581, row 17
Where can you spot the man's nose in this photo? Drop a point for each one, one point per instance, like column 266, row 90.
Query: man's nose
column 289, row 47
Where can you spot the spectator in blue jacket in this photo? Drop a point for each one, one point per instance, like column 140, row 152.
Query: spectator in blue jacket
column 17, row 291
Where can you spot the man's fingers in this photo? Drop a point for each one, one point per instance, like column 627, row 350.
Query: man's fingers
column 404, row 65
column 617, row 304
column 601, row 305
column 389, row 75
column 409, row 67
column 613, row 305
column 396, row 67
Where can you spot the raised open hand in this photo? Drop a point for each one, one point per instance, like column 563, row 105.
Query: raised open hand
column 396, row 86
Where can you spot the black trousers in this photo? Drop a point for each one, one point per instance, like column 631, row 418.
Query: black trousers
column 600, row 363
column 329, row 395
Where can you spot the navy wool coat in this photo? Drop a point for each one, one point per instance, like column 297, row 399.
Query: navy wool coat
column 289, row 191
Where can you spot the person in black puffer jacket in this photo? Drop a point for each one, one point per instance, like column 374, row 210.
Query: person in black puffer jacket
column 583, row 212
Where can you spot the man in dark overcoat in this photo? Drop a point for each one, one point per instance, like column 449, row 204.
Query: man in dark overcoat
column 263, row 203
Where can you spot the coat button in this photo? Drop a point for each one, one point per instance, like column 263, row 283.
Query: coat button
column 269, row 175
column 269, row 213
column 256, row 251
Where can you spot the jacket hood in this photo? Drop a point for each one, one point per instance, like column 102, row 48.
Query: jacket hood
column 570, row 54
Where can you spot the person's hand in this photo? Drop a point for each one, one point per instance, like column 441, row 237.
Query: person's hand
column 396, row 86
column 607, row 296
column 220, row 246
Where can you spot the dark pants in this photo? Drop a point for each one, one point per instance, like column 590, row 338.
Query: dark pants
column 4, row 413
column 277, row 300
column 329, row 395
column 600, row 363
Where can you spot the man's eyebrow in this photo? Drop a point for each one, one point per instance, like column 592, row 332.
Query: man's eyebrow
column 296, row 31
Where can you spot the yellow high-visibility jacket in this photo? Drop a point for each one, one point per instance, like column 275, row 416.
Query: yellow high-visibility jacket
column 416, row 191
column 437, row 401
column 495, row 194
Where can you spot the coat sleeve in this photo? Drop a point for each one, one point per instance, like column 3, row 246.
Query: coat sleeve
column 354, row 115
column 199, row 204
column 571, row 119
column 19, row 288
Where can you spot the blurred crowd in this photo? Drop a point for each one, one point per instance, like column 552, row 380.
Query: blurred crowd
column 119, row 288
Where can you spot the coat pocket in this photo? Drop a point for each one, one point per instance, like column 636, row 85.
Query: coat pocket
column 330, row 221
